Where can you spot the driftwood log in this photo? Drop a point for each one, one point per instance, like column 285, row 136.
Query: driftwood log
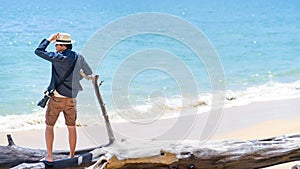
column 230, row 154
column 133, row 154
column 15, row 156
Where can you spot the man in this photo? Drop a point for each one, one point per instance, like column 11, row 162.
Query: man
column 64, row 99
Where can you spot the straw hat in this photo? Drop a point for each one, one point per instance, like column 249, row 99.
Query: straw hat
column 64, row 38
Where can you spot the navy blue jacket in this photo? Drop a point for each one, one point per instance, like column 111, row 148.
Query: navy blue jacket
column 61, row 62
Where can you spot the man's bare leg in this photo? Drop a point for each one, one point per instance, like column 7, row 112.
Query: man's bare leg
column 49, row 136
column 72, row 140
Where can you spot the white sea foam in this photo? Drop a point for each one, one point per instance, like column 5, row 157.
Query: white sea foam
column 267, row 92
column 34, row 120
column 160, row 108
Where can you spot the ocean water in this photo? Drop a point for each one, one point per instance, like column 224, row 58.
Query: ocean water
column 257, row 43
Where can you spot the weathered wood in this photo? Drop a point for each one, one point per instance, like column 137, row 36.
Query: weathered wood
column 230, row 154
column 233, row 154
column 103, row 109
column 94, row 79
column 79, row 162
column 13, row 155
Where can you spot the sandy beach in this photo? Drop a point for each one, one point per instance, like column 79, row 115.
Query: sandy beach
column 253, row 121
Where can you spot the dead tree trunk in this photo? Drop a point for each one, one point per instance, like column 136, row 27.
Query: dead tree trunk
column 215, row 154
column 228, row 154
column 13, row 155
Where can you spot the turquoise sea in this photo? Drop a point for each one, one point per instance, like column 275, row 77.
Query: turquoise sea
column 257, row 43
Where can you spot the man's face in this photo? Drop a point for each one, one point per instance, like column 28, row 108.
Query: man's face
column 60, row 47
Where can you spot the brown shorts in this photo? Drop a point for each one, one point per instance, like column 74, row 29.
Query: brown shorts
column 65, row 105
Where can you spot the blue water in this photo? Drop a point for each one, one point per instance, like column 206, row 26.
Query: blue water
column 257, row 42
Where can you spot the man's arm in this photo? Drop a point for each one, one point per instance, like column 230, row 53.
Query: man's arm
column 86, row 68
column 41, row 49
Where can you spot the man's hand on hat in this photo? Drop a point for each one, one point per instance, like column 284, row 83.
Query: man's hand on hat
column 53, row 37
